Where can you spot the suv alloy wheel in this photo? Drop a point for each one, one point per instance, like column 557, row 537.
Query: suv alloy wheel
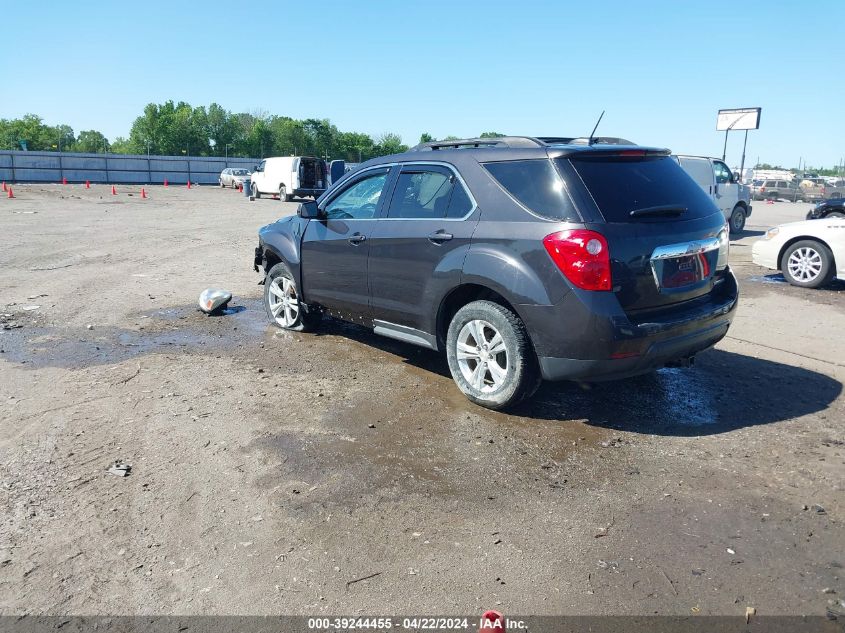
column 490, row 355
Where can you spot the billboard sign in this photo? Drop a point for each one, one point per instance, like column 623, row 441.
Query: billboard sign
column 738, row 119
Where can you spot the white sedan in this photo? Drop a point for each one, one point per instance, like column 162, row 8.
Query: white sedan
column 809, row 253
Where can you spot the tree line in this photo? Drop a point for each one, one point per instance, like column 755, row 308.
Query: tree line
column 169, row 129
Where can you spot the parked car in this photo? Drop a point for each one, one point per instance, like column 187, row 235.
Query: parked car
column 233, row 177
column 521, row 261
column 289, row 176
column 808, row 253
column 834, row 208
column 714, row 177
column 777, row 190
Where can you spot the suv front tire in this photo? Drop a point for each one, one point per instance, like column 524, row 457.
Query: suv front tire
column 490, row 355
column 281, row 301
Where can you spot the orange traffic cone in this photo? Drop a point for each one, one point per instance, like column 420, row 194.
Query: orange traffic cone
column 189, row 184
column 87, row 185
column 165, row 182
column 64, row 181
column 143, row 193
column 11, row 194
column 4, row 185
column 113, row 191
column 492, row 622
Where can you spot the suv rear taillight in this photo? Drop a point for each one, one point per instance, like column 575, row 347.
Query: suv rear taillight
column 582, row 256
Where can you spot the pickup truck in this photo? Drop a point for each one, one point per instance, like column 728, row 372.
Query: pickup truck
column 835, row 189
column 812, row 189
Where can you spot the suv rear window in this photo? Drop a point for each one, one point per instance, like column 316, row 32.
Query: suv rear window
column 620, row 185
column 536, row 185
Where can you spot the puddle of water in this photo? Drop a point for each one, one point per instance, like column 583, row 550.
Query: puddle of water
column 185, row 328
column 687, row 398
column 768, row 279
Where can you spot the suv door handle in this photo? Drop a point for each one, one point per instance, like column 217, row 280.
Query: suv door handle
column 357, row 238
column 438, row 237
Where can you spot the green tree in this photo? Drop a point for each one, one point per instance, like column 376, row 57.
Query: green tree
column 259, row 140
column 289, row 136
column 223, row 129
column 491, row 135
column 120, row 145
column 37, row 136
column 425, row 137
column 321, row 134
column 91, row 141
column 354, row 147
column 389, row 144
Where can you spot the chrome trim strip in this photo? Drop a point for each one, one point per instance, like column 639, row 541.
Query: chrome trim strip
column 404, row 333
column 683, row 249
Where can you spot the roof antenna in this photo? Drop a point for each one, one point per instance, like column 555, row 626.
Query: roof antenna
column 591, row 140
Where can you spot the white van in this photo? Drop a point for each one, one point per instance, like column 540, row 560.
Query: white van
column 714, row 176
column 289, row 176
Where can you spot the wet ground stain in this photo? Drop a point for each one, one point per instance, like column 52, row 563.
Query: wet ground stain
column 689, row 402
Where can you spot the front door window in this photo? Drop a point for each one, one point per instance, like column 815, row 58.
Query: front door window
column 360, row 201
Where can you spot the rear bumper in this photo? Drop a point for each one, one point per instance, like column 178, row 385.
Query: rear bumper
column 659, row 354
column 608, row 344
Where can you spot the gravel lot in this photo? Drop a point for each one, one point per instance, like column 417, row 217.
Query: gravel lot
column 271, row 471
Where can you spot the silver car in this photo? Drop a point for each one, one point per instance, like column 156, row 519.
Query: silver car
column 233, row 177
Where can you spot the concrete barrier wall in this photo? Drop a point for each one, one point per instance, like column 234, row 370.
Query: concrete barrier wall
column 17, row 166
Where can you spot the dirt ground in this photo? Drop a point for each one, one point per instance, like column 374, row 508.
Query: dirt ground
column 277, row 473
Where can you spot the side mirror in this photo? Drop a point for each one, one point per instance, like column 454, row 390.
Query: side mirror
column 309, row 210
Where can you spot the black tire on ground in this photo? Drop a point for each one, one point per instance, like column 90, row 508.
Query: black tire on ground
column 221, row 183
column 284, row 196
column 835, row 214
column 737, row 219
column 815, row 252
column 255, row 192
column 523, row 374
column 307, row 320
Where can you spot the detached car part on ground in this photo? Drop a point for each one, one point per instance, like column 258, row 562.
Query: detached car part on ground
column 523, row 260
column 809, row 254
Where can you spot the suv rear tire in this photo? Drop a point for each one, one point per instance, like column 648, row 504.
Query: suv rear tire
column 490, row 355
column 282, row 304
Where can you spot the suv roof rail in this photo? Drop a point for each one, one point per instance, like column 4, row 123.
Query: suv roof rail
column 583, row 140
column 517, row 141
column 471, row 143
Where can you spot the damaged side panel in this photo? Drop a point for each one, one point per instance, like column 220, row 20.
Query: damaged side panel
column 280, row 242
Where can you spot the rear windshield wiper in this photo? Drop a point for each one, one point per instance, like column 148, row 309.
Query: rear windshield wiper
column 667, row 210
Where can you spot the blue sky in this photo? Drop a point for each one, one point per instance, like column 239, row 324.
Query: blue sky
column 661, row 70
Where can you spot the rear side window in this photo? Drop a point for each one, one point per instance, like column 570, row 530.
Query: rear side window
column 426, row 192
column 536, row 185
column 621, row 185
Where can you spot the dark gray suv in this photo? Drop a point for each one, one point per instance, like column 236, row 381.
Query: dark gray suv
column 521, row 258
